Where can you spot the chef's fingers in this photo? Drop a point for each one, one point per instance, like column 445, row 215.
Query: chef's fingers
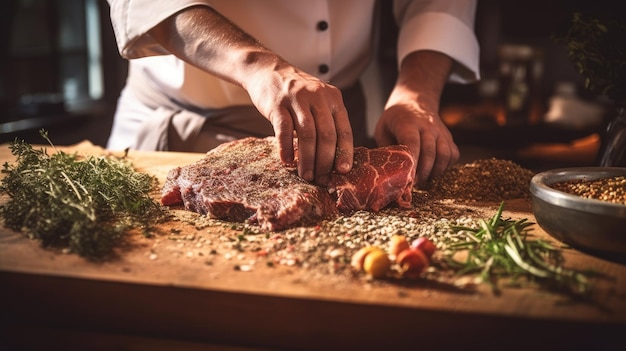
column 456, row 155
column 426, row 159
column 383, row 136
column 326, row 143
column 305, row 127
column 447, row 155
column 454, row 149
column 282, row 122
column 344, row 154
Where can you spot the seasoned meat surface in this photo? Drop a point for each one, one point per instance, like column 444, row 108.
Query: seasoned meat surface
column 244, row 180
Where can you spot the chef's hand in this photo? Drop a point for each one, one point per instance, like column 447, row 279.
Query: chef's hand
column 411, row 115
column 423, row 132
column 290, row 99
column 293, row 100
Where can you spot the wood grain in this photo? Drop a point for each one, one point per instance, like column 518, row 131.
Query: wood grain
column 197, row 299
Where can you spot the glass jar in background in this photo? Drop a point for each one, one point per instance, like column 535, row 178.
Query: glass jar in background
column 520, row 72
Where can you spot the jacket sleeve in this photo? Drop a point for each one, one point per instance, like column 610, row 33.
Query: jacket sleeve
column 445, row 26
column 132, row 19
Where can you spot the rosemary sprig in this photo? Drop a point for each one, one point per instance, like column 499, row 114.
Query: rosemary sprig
column 86, row 204
column 500, row 248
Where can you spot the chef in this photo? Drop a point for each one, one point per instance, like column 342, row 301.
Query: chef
column 205, row 72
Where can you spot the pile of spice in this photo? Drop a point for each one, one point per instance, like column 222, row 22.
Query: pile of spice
column 611, row 189
column 482, row 180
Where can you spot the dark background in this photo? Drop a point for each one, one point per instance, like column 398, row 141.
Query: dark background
column 38, row 73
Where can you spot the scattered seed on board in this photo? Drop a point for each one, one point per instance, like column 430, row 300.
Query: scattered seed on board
column 328, row 247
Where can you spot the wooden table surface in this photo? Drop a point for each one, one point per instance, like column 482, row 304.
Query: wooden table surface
column 163, row 293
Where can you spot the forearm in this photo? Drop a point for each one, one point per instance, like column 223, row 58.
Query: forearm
column 422, row 77
column 204, row 38
column 291, row 99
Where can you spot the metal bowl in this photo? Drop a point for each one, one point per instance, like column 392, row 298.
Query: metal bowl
column 595, row 226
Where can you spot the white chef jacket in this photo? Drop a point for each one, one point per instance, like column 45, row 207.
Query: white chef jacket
column 291, row 29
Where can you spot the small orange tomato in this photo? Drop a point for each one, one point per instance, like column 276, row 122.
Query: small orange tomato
column 412, row 263
column 397, row 244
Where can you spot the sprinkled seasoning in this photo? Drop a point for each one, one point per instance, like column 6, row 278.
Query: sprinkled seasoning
column 328, row 247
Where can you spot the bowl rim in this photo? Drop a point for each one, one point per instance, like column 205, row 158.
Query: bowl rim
column 539, row 188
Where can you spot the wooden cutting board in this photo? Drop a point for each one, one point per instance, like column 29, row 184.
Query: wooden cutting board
column 176, row 288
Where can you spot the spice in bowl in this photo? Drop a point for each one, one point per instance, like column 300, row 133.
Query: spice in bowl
column 610, row 189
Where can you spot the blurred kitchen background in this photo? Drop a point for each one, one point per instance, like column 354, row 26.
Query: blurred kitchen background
column 61, row 71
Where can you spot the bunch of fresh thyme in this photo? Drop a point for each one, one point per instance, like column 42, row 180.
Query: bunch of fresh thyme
column 502, row 248
column 85, row 204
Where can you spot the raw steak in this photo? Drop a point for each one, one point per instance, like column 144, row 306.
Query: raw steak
column 245, row 180
column 378, row 178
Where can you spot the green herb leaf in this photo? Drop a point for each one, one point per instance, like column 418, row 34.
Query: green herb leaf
column 597, row 48
column 85, row 204
column 499, row 247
